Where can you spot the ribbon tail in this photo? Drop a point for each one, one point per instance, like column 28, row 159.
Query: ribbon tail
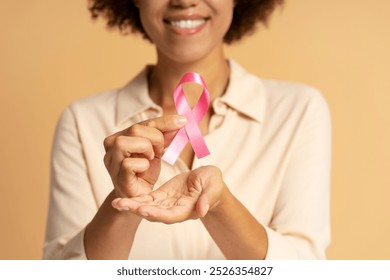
column 196, row 139
column 176, row 147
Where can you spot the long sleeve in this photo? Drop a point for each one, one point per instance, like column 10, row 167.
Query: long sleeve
column 300, row 227
column 71, row 204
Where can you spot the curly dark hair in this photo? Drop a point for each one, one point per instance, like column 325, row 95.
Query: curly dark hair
column 125, row 15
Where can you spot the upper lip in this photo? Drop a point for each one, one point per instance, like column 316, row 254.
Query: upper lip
column 184, row 17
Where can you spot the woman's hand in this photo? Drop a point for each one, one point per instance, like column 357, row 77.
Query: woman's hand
column 186, row 196
column 133, row 155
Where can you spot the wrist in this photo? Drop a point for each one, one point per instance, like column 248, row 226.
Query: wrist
column 118, row 214
column 222, row 204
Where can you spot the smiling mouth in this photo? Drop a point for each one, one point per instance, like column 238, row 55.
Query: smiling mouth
column 186, row 23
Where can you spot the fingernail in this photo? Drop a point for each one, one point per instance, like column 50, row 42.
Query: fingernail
column 180, row 120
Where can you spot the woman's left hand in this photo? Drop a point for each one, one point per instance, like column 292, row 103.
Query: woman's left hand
column 186, row 196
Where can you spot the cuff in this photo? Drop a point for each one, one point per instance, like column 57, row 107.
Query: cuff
column 74, row 249
column 279, row 247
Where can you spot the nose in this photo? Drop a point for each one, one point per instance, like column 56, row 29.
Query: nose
column 184, row 3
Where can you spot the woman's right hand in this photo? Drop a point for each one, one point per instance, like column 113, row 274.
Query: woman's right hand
column 133, row 155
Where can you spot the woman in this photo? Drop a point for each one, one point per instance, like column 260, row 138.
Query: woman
column 261, row 194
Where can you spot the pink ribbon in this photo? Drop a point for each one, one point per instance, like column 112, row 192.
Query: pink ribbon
column 191, row 131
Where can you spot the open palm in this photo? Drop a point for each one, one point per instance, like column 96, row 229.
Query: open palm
column 185, row 196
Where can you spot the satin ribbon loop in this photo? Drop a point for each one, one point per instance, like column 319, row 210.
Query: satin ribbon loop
column 191, row 131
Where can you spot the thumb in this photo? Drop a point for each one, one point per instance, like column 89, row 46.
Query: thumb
column 202, row 206
column 212, row 185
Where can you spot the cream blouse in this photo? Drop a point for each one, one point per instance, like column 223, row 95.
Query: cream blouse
column 271, row 140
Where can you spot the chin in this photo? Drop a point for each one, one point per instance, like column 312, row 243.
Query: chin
column 187, row 55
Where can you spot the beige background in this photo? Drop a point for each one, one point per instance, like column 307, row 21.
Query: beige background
column 51, row 53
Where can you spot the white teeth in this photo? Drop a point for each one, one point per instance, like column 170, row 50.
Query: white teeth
column 187, row 23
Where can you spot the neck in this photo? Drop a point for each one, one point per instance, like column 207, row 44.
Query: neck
column 166, row 74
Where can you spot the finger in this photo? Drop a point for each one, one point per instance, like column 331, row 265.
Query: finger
column 120, row 205
column 108, row 144
column 125, row 146
column 209, row 180
column 169, row 126
column 126, row 181
column 130, row 204
column 202, row 206
column 163, row 124
column 210, row 198
column 154, row 135
column 168, row 137
column 198, row 183
column 107, row 160
column 167, row 123
column 166, row 215
column 133, row 165
column 109, row 140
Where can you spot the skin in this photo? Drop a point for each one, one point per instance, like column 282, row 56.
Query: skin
column 133, row 155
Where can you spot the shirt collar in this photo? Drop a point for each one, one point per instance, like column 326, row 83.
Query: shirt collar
column 134, row 98
column 245, row 94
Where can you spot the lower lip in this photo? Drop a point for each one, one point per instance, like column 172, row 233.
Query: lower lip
column 187, row 31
